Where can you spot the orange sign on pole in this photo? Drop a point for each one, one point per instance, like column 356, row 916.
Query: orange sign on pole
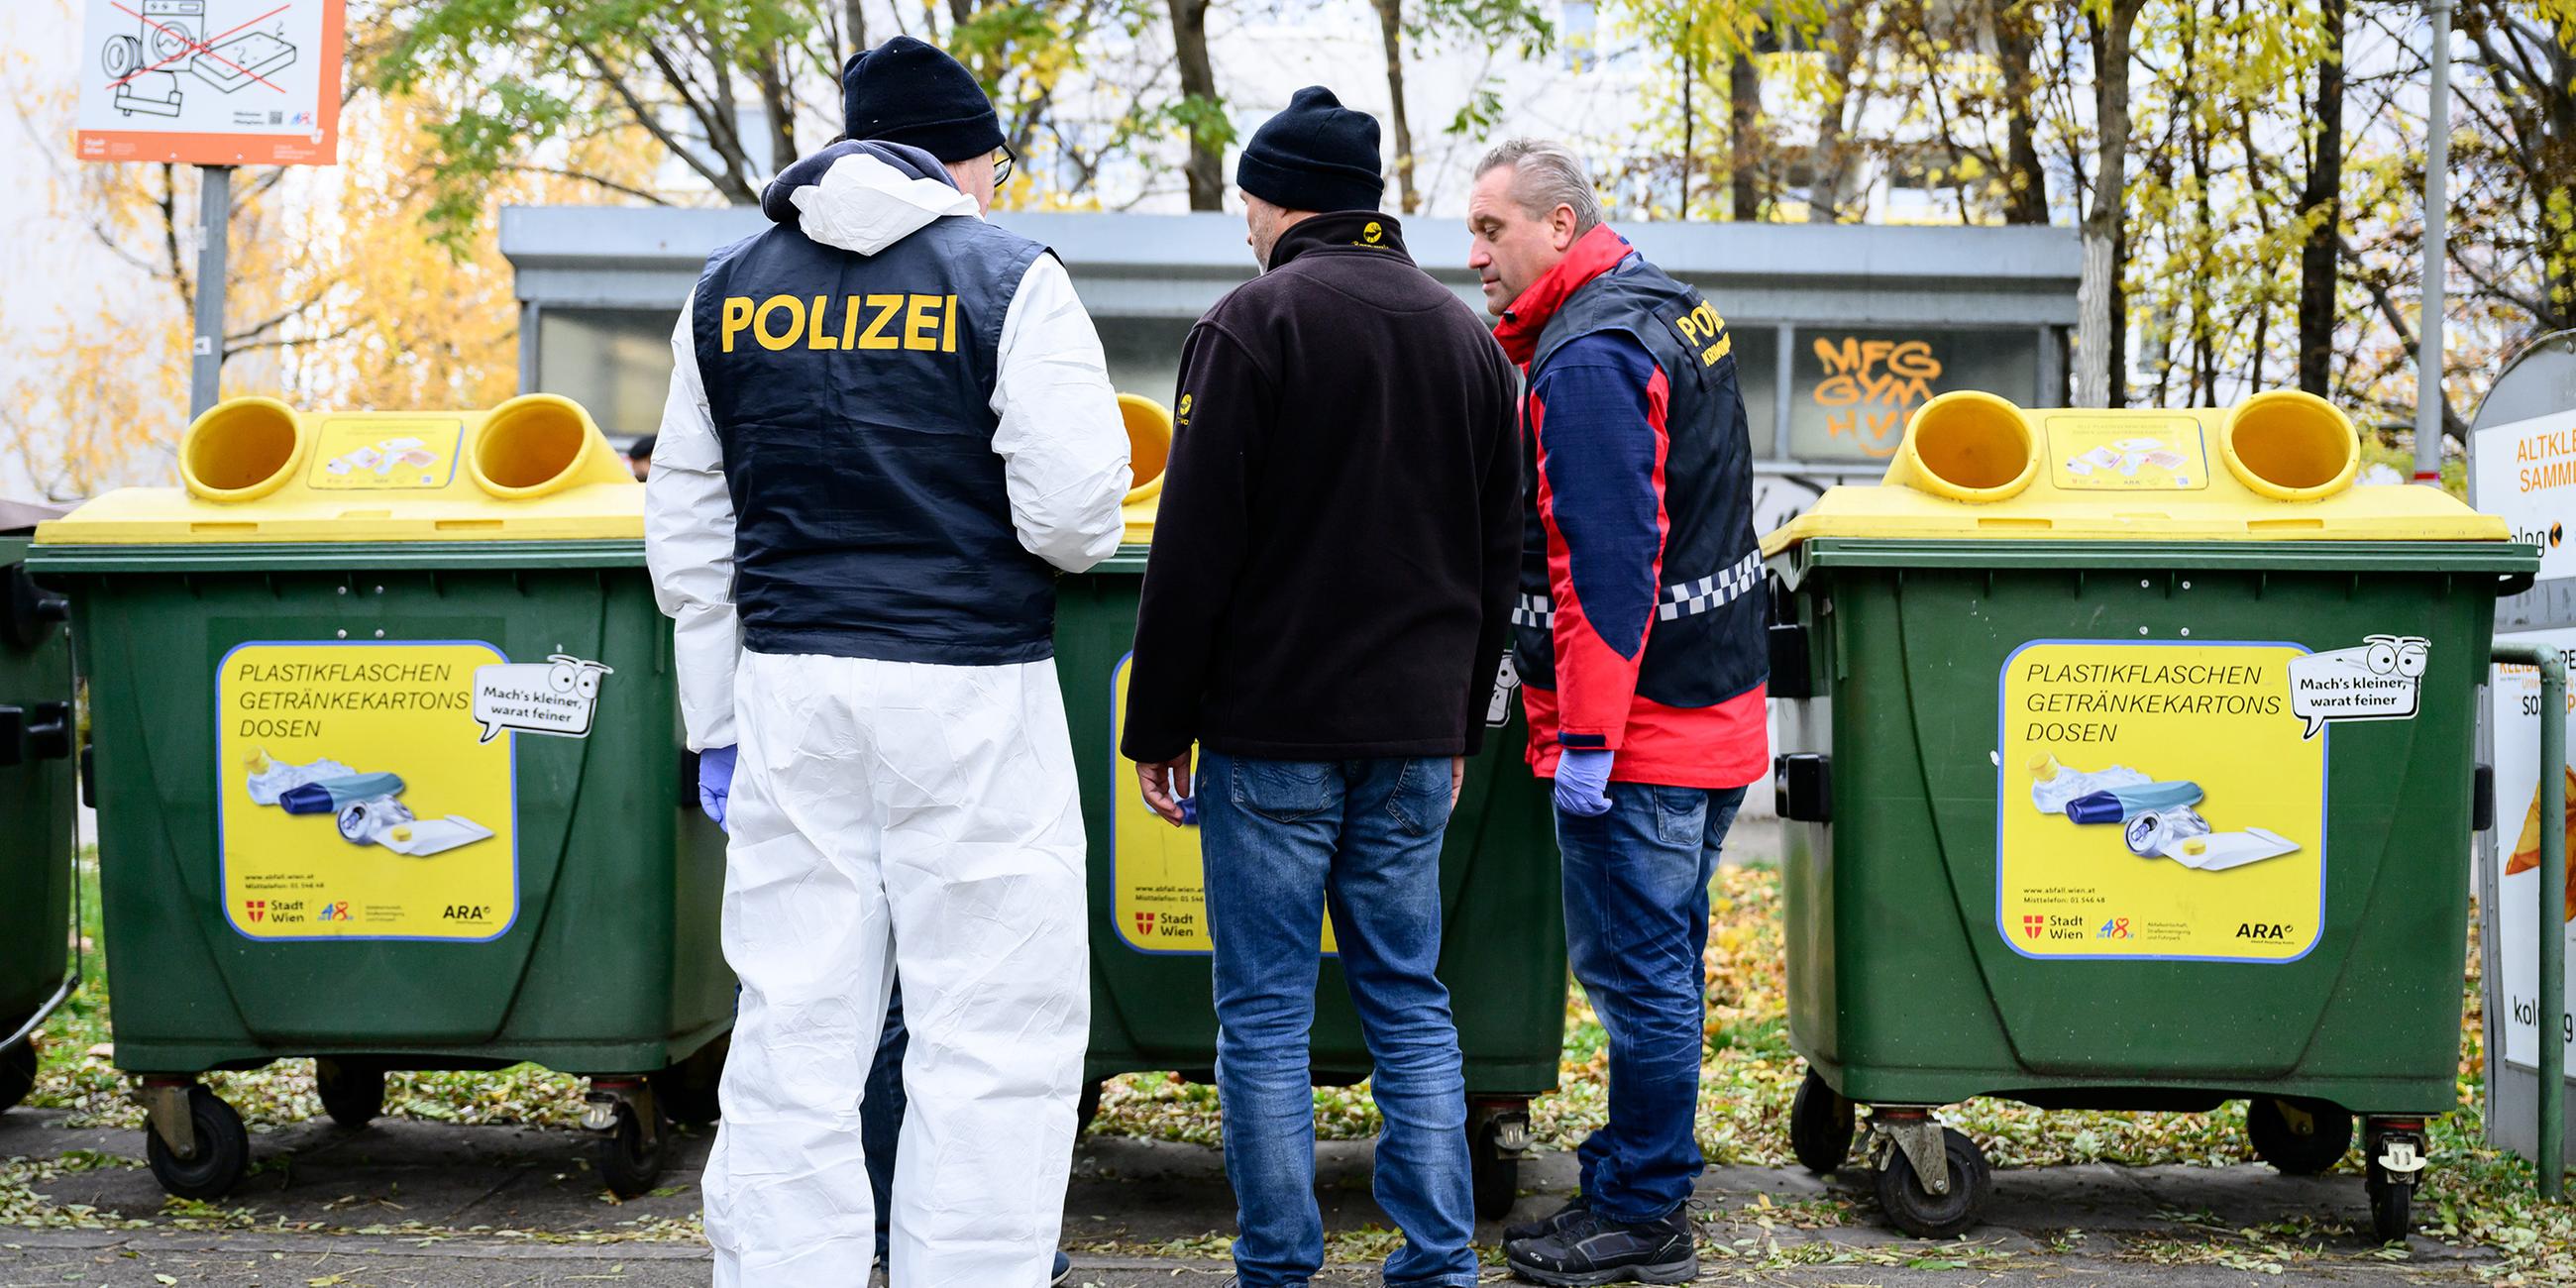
column 211, row 82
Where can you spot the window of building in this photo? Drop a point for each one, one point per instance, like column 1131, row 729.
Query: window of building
column 614, row 362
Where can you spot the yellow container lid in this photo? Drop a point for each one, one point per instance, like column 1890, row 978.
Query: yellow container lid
column 1149, row 449
column 2278, row 466
column 534, row 468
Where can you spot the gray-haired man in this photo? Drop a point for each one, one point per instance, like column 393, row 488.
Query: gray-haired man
column 1642, row 666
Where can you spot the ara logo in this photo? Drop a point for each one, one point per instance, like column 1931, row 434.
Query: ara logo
column 2268, row 931
column 2031, row 926
column 467, row 912
column 1144, row 925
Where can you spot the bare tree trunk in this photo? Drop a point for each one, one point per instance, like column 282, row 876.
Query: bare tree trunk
column 2318, row 259
column 1744, row 102
column 2026, row 180
column 2098, row 305
column 857, row 21
column 1206, row 167
column 780, row 109
column 1390, row 30
column 1830, row 159
column 1690, row 119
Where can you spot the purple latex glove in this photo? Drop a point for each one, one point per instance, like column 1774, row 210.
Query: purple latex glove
column 1583, row 782
column 715, row 781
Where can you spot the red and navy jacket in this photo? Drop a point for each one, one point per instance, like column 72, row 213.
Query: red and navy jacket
column 1639, row 628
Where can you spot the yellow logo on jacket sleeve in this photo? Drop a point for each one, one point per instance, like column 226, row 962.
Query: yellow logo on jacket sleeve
column 913, row 321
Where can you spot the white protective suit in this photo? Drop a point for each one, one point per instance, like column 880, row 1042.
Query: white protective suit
column 897, row 817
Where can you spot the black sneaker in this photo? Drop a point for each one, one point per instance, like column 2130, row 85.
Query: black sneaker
column 1588, row 1249
column 1545, row 1225
column 1063, row 1271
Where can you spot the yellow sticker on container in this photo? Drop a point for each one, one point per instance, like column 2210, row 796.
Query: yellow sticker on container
column 2127, row 453
column 1158, row 884
column 357, row 796
column 2160, row 801
column 379, row 454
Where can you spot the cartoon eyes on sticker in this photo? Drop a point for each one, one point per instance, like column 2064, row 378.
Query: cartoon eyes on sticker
column 573, row 675
column 2402, row 655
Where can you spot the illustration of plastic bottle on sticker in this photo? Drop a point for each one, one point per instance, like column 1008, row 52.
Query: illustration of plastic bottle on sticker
column 368, row 807
column 2157, row 818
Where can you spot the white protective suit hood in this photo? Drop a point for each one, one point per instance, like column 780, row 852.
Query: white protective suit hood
column 864, row 196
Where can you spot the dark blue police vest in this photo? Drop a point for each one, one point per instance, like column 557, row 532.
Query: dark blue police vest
column 853, row 398
column 1707, row 643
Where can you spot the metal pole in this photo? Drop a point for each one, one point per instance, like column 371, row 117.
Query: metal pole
column 214, row 222
column 2550, row 1021
column 2429, row 401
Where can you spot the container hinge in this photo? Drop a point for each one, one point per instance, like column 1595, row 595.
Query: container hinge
column 2482, row 798
column 1803, row 782
column 37, row 731
column 1790, row 677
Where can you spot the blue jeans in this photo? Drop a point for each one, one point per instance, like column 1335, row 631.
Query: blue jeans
column 881, row 1110
column 1636, row 929
column 1283, row 840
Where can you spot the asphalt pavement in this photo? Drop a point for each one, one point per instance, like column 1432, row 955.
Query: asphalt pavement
column 407, row 1203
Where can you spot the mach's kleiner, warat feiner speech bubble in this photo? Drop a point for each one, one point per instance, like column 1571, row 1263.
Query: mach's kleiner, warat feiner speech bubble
column 557, row 696
column 2381, row 680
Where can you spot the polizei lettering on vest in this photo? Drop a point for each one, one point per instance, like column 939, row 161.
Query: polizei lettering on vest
column 922, row 323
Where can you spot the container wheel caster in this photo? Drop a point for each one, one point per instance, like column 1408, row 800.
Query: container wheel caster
column 2391, row 1206
column 216, row 1153
column 352, row 1093
column 687, row 1090
column 2395, row 1163
column 1903, row 1194
column 635, row 1136
column 2297, row 1136
column 1820, row 1126
column 17, row 1074
column 1498, row 1133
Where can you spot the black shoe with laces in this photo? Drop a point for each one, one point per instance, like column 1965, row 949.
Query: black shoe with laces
column 1587, row 1248
column 1545, row 1225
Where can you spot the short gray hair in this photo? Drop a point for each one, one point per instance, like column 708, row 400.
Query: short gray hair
column 1546, row 174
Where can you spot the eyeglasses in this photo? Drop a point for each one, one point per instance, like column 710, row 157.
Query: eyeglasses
column 1002, row 165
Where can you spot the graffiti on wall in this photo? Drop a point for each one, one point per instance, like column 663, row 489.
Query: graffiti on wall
column 1870, row 387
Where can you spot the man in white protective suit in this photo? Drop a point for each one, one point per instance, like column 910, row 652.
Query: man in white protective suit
column 890, row 425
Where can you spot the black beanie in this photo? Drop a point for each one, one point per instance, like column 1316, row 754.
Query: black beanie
column 904, row 91
column 1316, row 155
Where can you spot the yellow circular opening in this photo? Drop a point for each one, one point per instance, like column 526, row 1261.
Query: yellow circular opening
column 2290, row 445
column 1149, row 444
column 529, row 446
column 1970, row 446
column 240, row 449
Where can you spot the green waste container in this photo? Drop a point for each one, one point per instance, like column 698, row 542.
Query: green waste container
column 387, row 758
column 1152, row 1004
column 36, row 797
column 2127, row 765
